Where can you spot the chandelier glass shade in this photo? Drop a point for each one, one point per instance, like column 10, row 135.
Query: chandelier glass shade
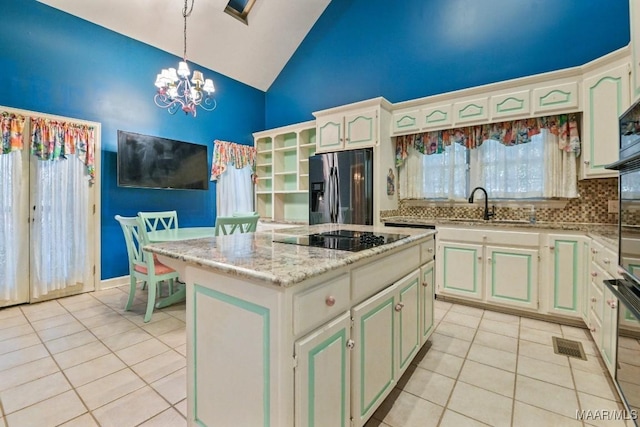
column 176, row 91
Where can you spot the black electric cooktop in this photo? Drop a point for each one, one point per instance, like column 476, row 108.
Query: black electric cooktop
column 344, row 240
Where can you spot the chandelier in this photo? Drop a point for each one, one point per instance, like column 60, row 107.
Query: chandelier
column 176, row 91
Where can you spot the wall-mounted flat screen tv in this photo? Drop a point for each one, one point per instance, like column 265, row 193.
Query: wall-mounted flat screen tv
column 153, row 162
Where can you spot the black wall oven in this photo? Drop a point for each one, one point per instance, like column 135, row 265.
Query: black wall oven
column 627, row 289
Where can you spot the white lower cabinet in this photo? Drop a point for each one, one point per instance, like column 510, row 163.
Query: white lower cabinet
column 491, row 273
column 346, row 368
column 386, row 334
column 460, row 269
column 512, row 276
column 565, row 274
column 322, row 377
column 427, row 295
column 609, row 331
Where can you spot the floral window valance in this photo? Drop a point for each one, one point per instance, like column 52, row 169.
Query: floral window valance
column 50, row 140
column 238, row 155
column 54, row 140
column 508, row 133
column 12, row 127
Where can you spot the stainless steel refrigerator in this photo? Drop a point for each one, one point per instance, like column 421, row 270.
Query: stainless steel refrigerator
column 341, row 187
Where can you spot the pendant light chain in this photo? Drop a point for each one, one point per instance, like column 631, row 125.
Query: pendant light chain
column 178, row 89
column 186, row 14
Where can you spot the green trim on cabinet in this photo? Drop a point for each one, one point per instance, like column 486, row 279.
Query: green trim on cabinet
column 413, row 284
column 475, row 270
column 263, row 312
column 556, row 279
column 406, row 122
column 463, row 115
column 426, row 330
column 566, row 97
column 319, row 135
column 338, row 336
column 384, row 304
column 438, row 119
column 493, row 276
column 592, row 143
column 370, row 122
column 519, row 105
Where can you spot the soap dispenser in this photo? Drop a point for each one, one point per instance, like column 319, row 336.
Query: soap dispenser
column 532, row 215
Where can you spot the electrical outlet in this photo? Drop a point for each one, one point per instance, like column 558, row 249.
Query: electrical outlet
column 613, row 206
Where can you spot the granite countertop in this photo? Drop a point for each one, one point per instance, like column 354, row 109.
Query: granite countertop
column 255, row 256
column 606, row 233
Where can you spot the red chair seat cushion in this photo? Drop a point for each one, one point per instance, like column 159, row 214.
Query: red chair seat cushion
column 160, row 268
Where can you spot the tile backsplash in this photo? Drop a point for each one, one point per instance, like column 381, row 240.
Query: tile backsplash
column 591, row 207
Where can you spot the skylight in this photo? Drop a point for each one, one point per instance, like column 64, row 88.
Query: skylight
column 240, row 9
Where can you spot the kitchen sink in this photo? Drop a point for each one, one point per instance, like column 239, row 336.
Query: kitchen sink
column 492, row 221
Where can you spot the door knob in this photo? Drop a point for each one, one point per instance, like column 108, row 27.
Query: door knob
column 330, row 301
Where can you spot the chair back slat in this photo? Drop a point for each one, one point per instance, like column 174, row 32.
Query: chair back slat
column 134, row 239
column 159, row 220
column 236, row 224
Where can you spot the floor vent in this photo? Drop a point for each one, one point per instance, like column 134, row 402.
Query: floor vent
column 568, row 348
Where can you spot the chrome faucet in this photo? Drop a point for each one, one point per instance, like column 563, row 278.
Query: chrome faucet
column 487, row 214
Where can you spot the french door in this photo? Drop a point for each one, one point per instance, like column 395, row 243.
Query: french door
column 48, row 228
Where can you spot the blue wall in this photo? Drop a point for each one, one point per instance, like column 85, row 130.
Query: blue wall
column 55, row 63
column 361, row 49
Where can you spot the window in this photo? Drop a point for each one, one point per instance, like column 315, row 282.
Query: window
column 538, row 160
column 240, row 9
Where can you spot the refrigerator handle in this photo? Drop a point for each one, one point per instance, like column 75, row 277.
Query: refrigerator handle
column 334, row 192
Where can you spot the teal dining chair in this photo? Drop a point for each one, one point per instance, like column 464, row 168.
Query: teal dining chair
column 161, row 220
column 236, row 224
column 143, row 266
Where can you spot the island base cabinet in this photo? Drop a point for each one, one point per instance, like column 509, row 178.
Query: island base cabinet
column 427, row 296
column 322, row 376
column 386, row 334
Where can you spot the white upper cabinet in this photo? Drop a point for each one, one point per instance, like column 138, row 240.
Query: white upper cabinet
column 634, row 15
column 471, row 111
column 606, row 97
column 350, row 127
column 511, row 104
column 555, row 97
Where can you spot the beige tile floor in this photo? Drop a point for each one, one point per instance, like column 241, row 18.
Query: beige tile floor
column 83, row 361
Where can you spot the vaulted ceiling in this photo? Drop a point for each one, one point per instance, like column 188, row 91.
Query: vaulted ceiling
column 252, row 53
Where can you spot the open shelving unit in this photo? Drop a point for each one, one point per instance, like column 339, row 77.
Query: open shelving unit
column 282, row 167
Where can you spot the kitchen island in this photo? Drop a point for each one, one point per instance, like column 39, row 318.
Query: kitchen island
column 281, row 334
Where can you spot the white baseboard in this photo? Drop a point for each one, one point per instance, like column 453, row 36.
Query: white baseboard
column 113, row 282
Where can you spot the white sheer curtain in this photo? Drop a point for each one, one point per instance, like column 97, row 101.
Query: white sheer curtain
column 60, row 227
column 10, row 191
column 537, row 169
column 234, row 191
column 434, row 176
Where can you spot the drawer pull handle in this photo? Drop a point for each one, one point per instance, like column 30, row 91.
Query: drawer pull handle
column 552, row 248
column 606, row 261
column 594, row 299
column 399, row 306
column 593, row 330
column 425, row 283
column 330, row 301
column 430, row 250
column 586, row 162
column 611, row 303
column 479, row 258
column 594, row 251
column 351, row 344
column 594, row 273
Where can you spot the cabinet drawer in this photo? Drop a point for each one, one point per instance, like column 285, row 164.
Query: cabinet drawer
column 605, row 258
column 370, row 278
column 510, row 238
column 596, row 295
column 427, row 251
column 320, row 303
